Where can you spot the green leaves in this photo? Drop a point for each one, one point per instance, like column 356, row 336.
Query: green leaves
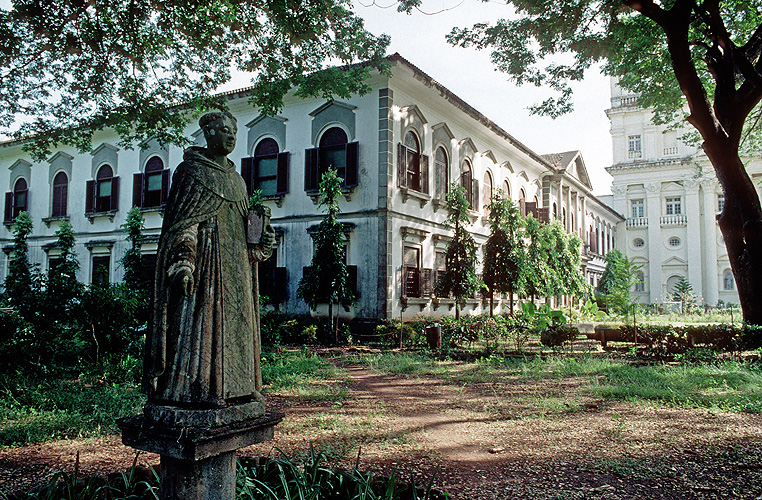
column 144, row 68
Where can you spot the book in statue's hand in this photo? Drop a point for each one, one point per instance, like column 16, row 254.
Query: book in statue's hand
column 255, row 223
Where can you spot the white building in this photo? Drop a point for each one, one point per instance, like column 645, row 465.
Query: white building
column 397, row 149
column 669, row 194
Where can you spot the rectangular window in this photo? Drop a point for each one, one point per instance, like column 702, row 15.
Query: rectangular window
column 634, row 146
column 638, row 208
column 101, row 269
column 674, row 206
column 720, row 203
column 411, row 272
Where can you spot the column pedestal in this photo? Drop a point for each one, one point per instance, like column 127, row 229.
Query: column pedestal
column 197, row 461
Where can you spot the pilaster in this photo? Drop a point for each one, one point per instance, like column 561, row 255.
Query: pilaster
column 693, row 243
column 653, row 206
column 711, row 289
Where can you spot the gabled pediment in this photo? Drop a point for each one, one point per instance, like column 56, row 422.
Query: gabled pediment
column 490, row 155
column 674, row 261
column 19, row 163
column 60, row 156
column 338, row 105
column 413, row 112
column 105, row 147
column 442, row 131
column 523, row 175
column 467, row 147
column 261, row 118
column 507, row 164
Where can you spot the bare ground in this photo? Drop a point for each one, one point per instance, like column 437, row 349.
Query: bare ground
column 488, row 441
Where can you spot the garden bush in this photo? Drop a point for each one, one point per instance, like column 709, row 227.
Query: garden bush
column 557, row 335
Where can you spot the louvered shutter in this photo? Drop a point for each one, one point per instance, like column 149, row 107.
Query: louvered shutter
column 8, row 207
column 114, row 198
column 427, row 282
column 424, row 174
column 403, row 281
column 401, row 165
column 474, row 194
column 90, row 197
column 311, row 175
column 281, row 181
column 137, row 190
column 352, row 278
column 164, row 187
column 247, row 171
column 353, row 162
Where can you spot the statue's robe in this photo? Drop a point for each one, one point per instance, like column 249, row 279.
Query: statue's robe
column 204, row 348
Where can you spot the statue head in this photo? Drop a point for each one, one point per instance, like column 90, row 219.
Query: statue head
column 220, row 129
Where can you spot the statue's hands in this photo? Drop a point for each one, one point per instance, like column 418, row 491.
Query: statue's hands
column 184, row 281
column 267, row 240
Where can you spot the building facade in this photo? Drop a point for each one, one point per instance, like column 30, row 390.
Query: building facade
column 397, row 149
column 668, row 192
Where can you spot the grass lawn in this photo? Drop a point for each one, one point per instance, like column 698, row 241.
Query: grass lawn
column 88, row 405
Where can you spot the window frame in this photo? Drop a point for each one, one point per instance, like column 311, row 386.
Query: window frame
column 673, row 205
column 60, row 199
column 638, row 208
column 20, row 193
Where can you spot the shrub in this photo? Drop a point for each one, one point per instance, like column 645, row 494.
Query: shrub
column 557, row 335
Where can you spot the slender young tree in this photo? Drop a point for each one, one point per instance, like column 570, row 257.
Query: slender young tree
column 460, row 278
column 504, row 250
column 328, row 277
column 62, row 289
column 564, row 262
column 22, row 284
column 538, row 274
column 618, row 279
column 132, row 261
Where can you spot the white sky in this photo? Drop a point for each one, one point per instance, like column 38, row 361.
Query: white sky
column 468, row 73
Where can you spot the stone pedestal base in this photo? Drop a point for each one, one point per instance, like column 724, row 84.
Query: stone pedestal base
column 197, row 461
column 213, row 478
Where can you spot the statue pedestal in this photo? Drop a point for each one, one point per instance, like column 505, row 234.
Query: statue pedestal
column 197, row 447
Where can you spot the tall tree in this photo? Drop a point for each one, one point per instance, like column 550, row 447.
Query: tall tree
column 128, row 64
column 537, row 271
column 22, row 284
column 327, row 280
column 701, row 53
column 460, row 278
column 504, row 250
column 564, row 261
column 616, row 283
column 62, row 289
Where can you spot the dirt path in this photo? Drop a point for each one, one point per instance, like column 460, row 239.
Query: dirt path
column 489, row 441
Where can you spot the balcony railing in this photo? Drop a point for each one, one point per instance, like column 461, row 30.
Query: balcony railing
column 673, row 220
column 637, row 222
column 670, row 151
column 618, row 102
column 632, row 155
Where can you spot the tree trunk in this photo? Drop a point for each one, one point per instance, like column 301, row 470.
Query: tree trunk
column 491, row 304
column 330, row 322
column 741, row 226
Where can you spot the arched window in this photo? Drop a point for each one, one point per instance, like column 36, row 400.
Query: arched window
column 60, row 195
column 20, row 192
column 103, row 192
column 266, row 166
column 640, row 281
column 155, row 184
column 267, row 170
column 728, row 282
column 555, row 211
column 333, row 151
column 413, row 165
column 16, row 201
column 468, row 183
column 507, row 189
column 441, row 173
column 522, row 202
column 487, row 189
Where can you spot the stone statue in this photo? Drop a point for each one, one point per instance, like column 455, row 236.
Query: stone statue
column 203, row 345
